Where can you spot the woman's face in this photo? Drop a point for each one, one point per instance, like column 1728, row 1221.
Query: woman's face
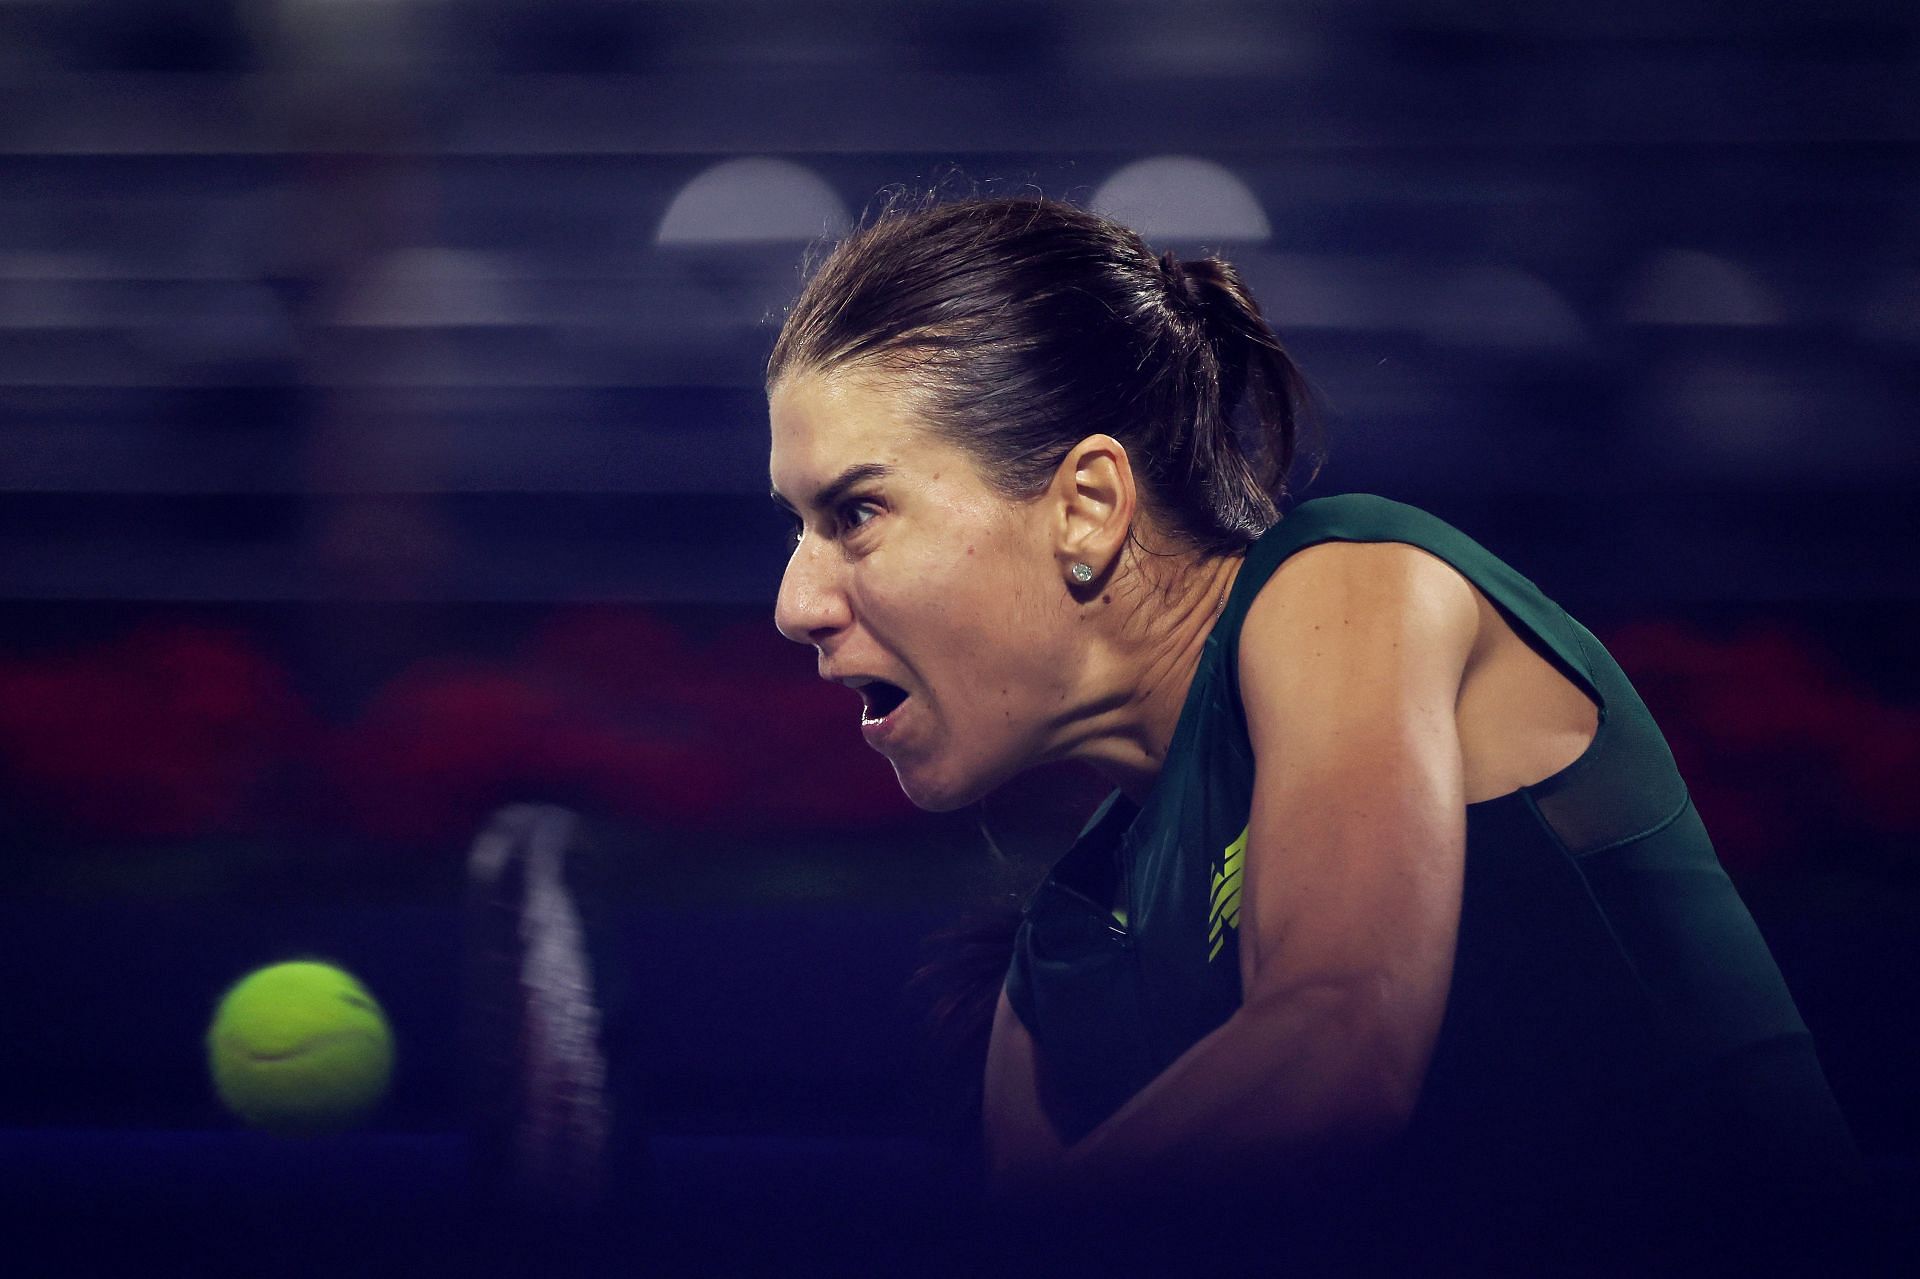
column 911, row 576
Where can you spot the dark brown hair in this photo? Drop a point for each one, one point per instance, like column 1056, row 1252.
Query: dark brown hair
column 1026, row 324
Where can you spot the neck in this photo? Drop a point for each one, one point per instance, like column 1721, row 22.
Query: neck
column 1137, row 682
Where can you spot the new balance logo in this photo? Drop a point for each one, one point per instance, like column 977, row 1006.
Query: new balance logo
column 1226, row 895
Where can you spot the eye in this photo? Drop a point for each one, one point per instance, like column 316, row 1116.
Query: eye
column 855, row 513
column 849, row 517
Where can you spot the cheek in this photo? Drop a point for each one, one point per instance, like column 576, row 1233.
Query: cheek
column 976, row 615
column 991, row 590
column 1000, row 640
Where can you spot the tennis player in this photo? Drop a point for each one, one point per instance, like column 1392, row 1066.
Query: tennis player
column 1399, row 925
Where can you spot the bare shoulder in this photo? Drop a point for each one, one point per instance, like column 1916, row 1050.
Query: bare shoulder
column 1340, row 622
column 1367, row 571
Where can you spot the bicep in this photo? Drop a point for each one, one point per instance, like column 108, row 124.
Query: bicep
column 1021, row 1140
column 1351, row 663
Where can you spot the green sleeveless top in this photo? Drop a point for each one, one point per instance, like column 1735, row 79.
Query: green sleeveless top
column 1615, row 1024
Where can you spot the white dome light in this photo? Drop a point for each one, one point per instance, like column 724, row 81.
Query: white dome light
column 1182, row 197
column 754, row 200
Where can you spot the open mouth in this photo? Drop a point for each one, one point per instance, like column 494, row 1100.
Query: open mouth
column 882, row 699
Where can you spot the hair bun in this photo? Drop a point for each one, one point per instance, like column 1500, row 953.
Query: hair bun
column 1180, row 283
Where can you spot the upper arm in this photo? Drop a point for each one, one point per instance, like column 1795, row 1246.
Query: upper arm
column 1351, row 661
column 1020, row 1140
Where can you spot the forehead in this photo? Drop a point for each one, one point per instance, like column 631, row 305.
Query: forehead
column 824, row 423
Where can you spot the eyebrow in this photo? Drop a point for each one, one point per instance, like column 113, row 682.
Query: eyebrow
column 837, row 487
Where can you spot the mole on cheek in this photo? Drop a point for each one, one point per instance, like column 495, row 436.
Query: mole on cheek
column 1106, row 599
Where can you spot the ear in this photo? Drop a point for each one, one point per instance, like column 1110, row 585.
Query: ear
column 1093, row 498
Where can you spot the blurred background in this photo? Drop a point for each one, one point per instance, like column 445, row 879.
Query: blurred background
column 382, row 441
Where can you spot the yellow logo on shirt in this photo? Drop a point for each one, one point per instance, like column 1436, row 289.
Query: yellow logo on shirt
column 1226, row 894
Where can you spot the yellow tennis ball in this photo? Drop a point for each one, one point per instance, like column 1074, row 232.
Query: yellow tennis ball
column 300, row 1048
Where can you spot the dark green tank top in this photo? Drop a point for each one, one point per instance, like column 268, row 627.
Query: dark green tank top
column 1616, row 1031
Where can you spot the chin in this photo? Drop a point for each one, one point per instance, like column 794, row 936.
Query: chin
column 936, row 792
column 941, row 794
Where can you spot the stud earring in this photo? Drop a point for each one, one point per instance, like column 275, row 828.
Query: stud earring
column 1082, row 573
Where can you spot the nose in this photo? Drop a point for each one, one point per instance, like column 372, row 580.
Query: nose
column 812, row 604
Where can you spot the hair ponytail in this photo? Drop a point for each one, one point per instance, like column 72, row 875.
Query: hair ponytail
column 1250, row 396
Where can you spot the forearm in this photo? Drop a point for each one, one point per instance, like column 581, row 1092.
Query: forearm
column 1295, row 1091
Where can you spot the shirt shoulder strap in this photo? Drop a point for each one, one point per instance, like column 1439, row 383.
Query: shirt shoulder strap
column 1365, row 517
